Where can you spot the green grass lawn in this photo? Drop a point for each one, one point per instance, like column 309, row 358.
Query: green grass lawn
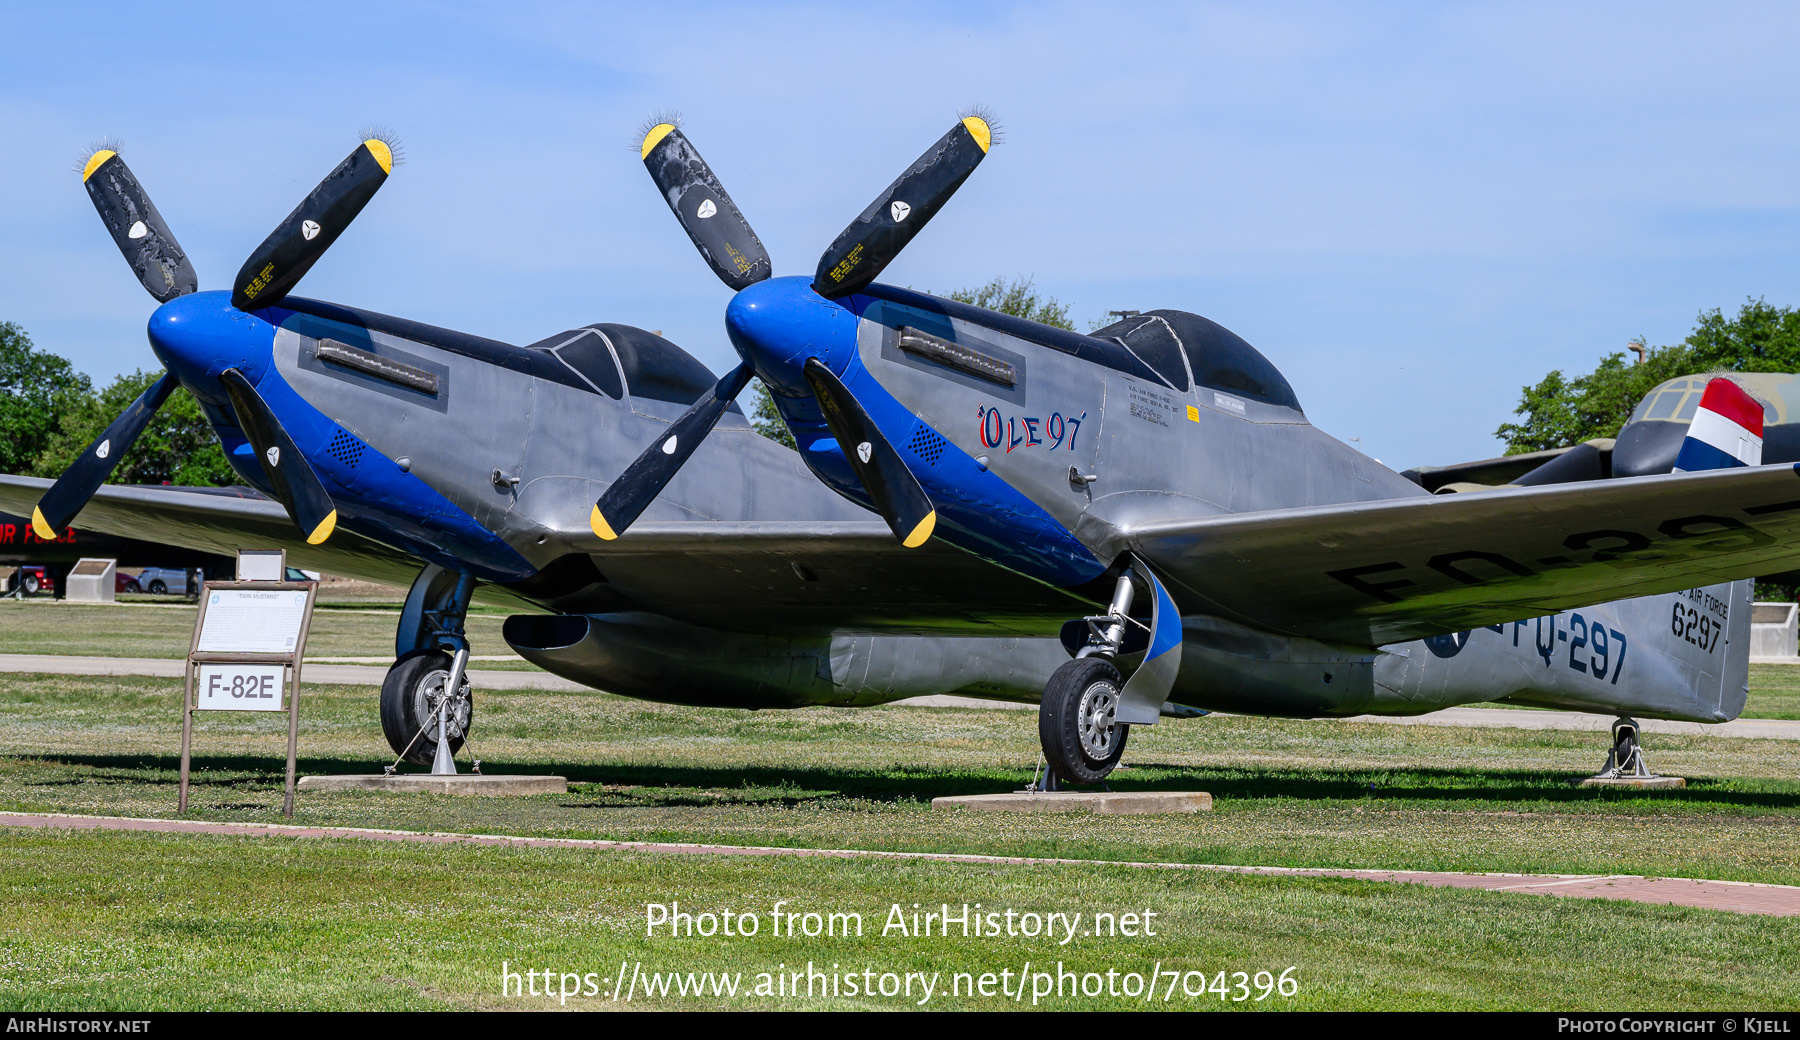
column 129, row 921
column 1288, row 793
column 1774, row 692
column 165, row 629
column 139, row 921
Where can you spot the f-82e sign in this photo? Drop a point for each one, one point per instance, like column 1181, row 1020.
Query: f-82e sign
column 239, row 687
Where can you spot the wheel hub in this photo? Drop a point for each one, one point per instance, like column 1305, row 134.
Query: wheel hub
column 1096, row 720
column 429, row 694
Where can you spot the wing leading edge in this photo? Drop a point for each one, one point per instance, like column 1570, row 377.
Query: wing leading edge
column 1372, row 573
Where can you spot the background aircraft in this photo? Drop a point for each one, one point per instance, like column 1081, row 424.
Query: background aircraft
column 1161, row 468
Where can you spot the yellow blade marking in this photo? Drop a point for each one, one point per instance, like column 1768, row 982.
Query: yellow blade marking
column 42, row 526
column 94, row 162
column 922, row 532
column 600, row 526
column 655, row 136
column 978, row 129
column 382, row 153
column 323, row 531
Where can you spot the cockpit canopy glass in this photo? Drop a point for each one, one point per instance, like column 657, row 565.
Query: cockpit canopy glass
column 654, row 368
column 658, row 370
column 1217, row 357
column 1154, row 342
column 585, row 351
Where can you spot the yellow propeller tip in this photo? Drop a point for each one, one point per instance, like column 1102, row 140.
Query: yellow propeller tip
column 323, row 531
column 41, row 526
column 655, row 136
column 600, row 526
column 922, row 533
column 978, row 129
column 95, row 161
column 382, row 153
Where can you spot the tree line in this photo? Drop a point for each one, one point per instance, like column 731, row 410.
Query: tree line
column 50, row 413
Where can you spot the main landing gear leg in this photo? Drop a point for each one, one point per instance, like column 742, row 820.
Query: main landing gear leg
column 1078, row 722
column 427, row 706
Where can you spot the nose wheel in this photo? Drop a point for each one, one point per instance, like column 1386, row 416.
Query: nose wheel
column 1078, row 721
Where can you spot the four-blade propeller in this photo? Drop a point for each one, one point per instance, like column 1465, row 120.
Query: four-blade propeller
column 699, row 201
column 271, row 271
column 737, row 256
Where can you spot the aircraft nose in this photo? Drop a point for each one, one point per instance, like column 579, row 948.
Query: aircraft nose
column 778, row 324
column 199, row 335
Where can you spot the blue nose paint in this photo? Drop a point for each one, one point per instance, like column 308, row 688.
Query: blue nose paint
column 778, row 324
column 200, row 335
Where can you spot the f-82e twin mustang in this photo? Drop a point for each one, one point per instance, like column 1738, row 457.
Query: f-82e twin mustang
column 1060, row 511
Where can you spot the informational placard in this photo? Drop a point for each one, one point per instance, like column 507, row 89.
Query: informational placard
column 239, row 687
column 249, row 638
column 261, row 564
column 252, row 621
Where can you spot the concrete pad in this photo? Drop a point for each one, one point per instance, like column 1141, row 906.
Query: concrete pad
column 1646, row 783
column 1119, row 803
column 425, row 783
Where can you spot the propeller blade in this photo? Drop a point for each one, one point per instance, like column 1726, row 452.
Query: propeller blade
column 137, row 227
column 872, row 240
column 897, row 494
column 296, row 485
column 291, row 250
column 85, row 475
column 650, row 472
column 707, row 214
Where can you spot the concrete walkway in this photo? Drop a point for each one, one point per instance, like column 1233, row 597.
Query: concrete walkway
column 1735, row 896
column 534, row 679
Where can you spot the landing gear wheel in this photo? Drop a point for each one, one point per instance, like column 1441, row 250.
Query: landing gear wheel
column 1077, row 722
column 31, row 585
column 409, row 704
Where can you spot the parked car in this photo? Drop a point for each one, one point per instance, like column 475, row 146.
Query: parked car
column 161, row 580
column 123, row 582
column 35, row 580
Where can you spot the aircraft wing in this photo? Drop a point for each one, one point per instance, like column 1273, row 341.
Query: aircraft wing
column 808, row 575
column 195, row 519
column 1390, row 571
column 794, row 576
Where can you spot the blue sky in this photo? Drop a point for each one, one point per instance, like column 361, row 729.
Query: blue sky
column 1413, row 209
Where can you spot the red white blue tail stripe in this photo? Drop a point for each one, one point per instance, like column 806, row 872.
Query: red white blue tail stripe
column 1726, row 432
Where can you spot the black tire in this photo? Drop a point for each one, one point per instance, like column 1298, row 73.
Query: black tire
column 404, row 706
column 157, row 587
column 31, row 585
column 1081, row 742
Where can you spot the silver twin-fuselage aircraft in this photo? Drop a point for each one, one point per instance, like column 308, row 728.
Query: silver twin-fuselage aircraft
column 1124, row 526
